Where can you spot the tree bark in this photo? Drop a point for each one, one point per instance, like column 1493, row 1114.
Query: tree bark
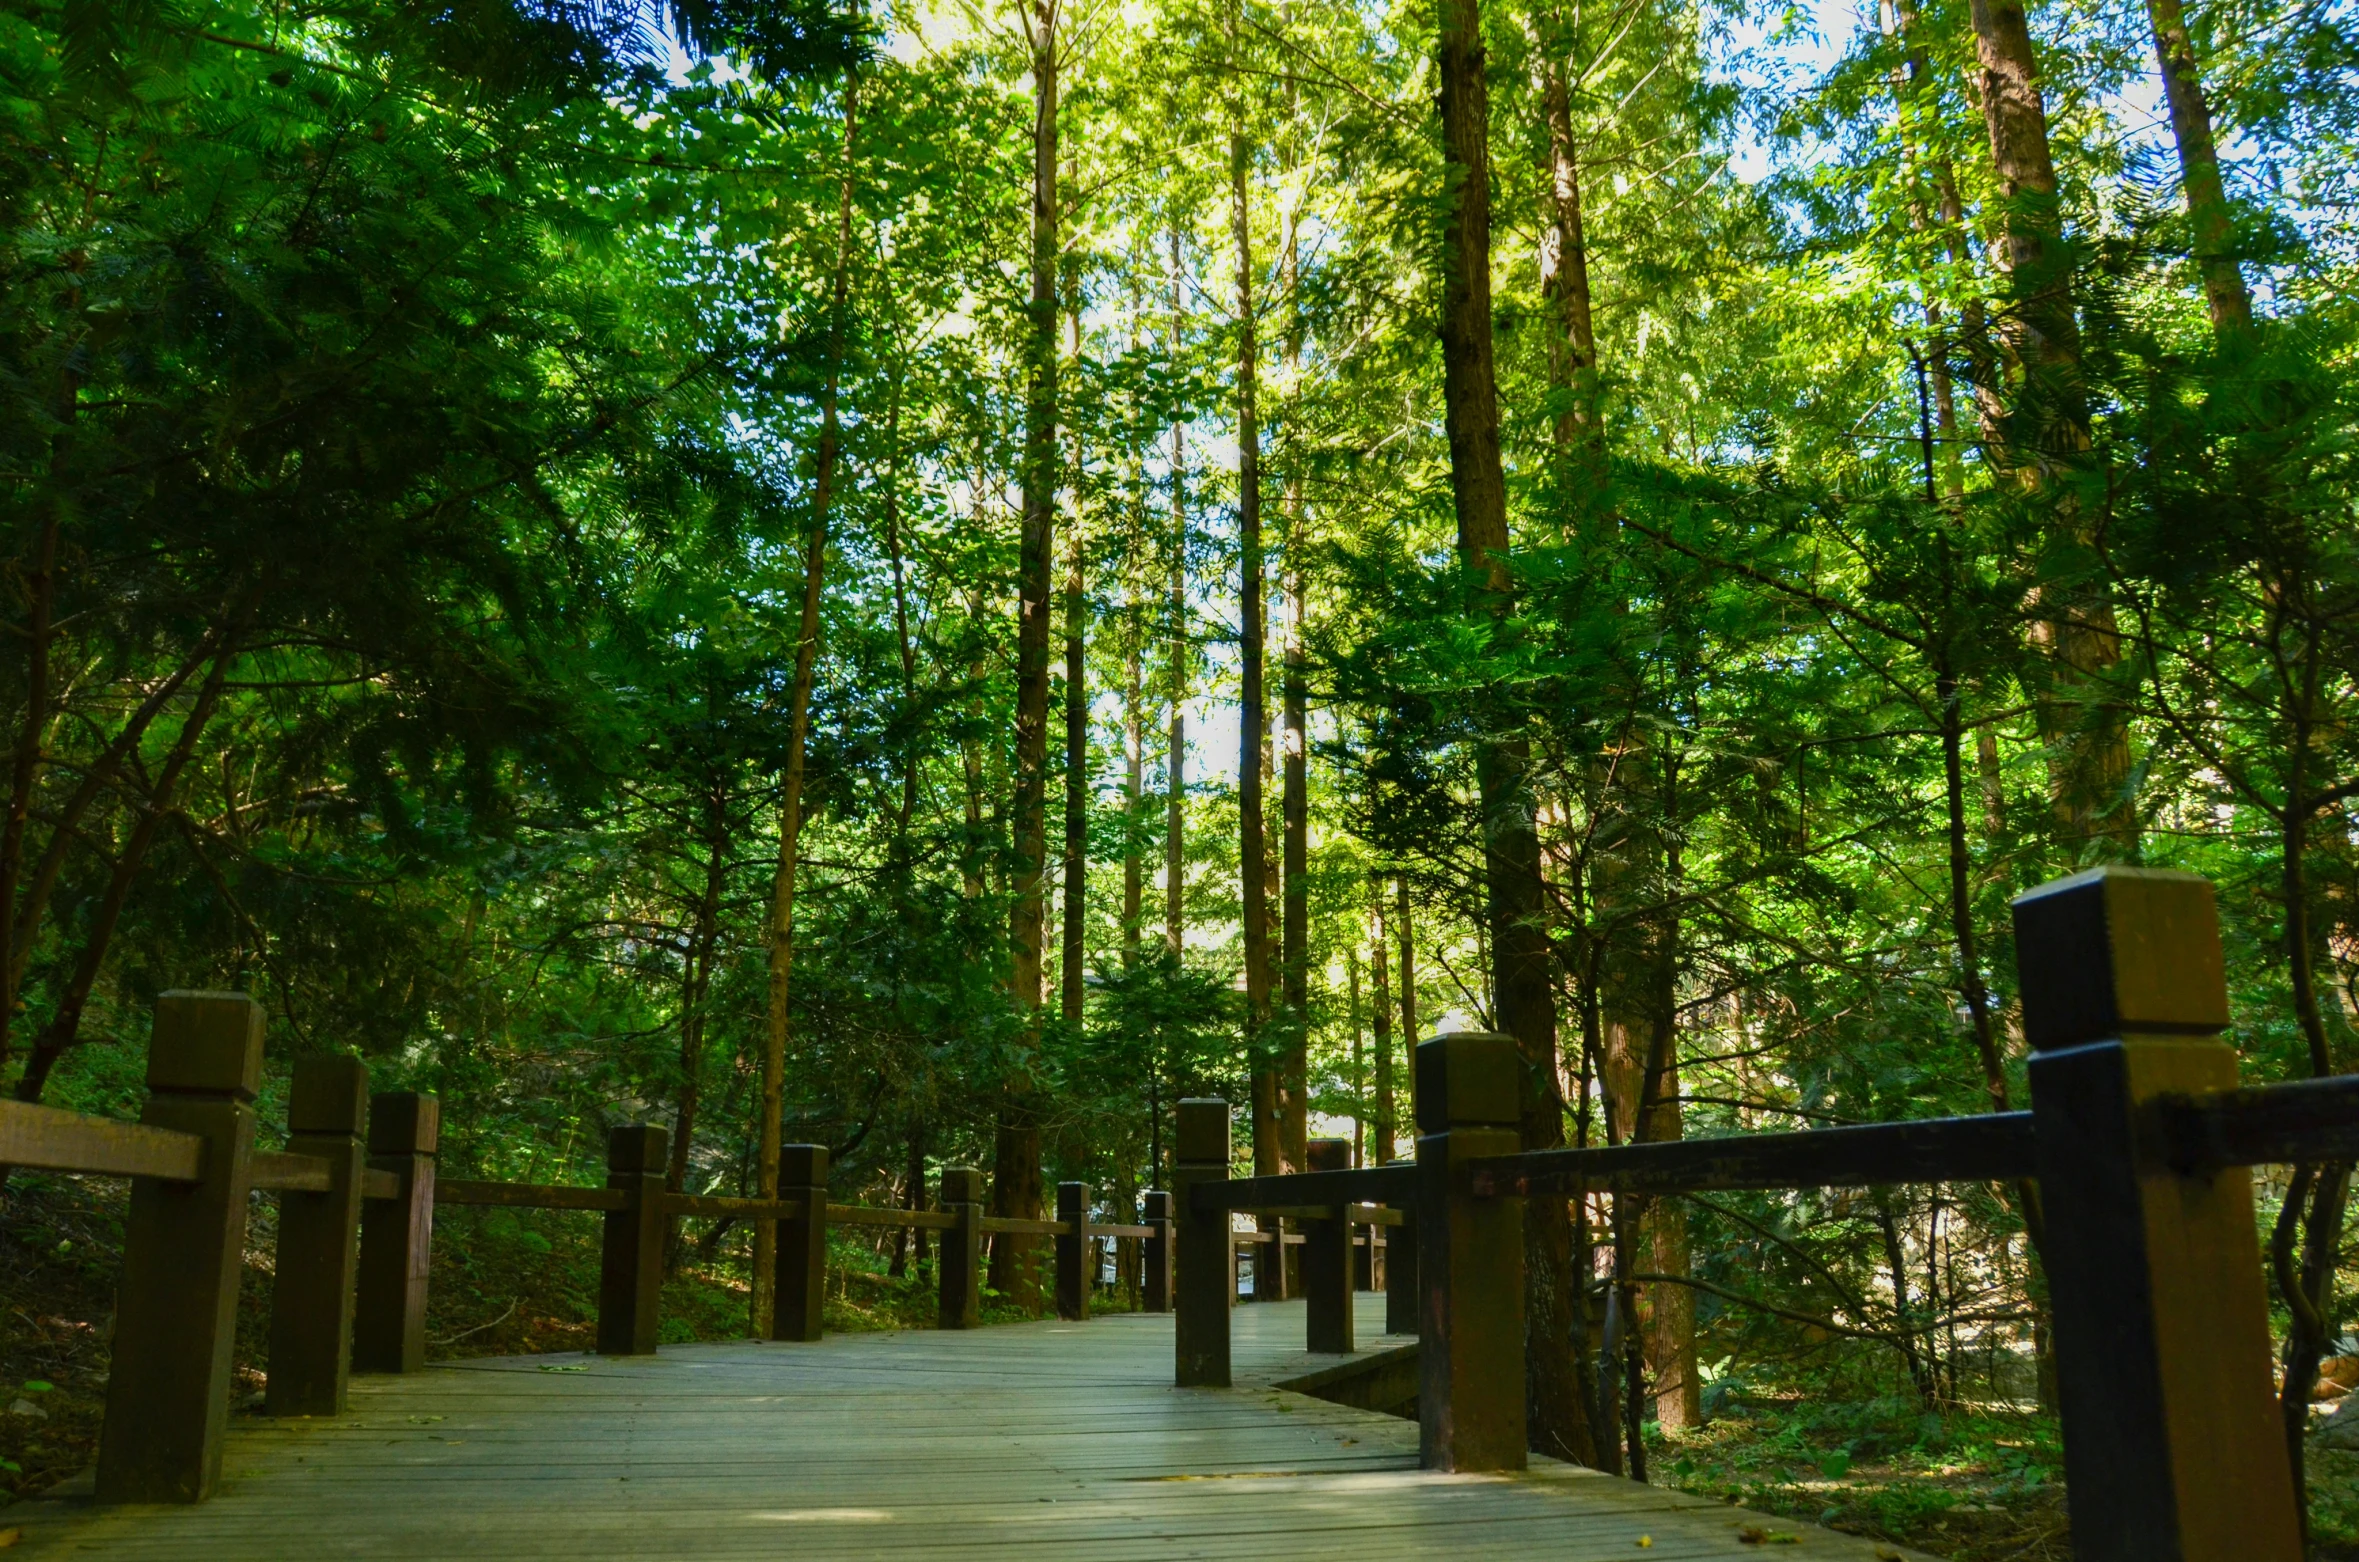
column 1557, row 1421
column 1175, row 750
column 2046, row 435
column 1072, row 966
column 2208, row 218
column 1016, row 1176
column 790, row 800
column 1294, row 805
column 695, row 981
column 1253, row 722
column 1387, row 1133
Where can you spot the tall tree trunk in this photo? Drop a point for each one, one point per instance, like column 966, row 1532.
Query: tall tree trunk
column 2208, row 219
column 1016, row 1175
column 1294, row 805
column 1072, row 965
column 790, row 801
column 2046, row 436
column 1253, row 722
column 40, row 584
column 1359, row 1074
column 1578, row 433
column 1175, row 750
column 1387, row 1134
column 1558, row 1423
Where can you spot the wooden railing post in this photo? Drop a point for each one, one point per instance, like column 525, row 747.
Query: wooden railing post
column 318, row 1242
column 1207, row 1277
column 1156, row 1267
column 1470, row 1261
column 2172, row 1448
column 167, row 1400
column 800, row 1292
column 961, row 1277
column 1363, row 1248
column 1327, row 1261
column 1073, row 1251
column 1400, row 1274
column 396, row 1235
column 630, row 1265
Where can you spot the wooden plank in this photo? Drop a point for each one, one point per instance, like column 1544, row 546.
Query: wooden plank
column 1995, row 1147
column 1369, row 1185
column 871, row 1215
column 1000, row 1445
column 526, row 1195
column 54, row 1140
column 2302, row 1120
column 1097, row 1230
column 375, row 1184
column 280, row 1171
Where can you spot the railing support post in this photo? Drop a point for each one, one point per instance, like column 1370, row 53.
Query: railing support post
column 799, row 1295
column 630, row 1264
column 397, row 1235
column 1157, row 1257
column 167, row 1401
column 1207, row 1278
column 1073, row 1251
column 960, row 1279
column 2172, row 1449
column 1327, row 1261
column 318, row 1242
column 1400, row 1273
column 1363, row 1246
column 1470, row 1264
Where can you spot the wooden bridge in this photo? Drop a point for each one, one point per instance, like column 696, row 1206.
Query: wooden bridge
column 1172, row 1433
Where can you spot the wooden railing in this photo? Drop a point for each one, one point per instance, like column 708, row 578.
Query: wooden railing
column 2137, row 1138
column 356, row 1228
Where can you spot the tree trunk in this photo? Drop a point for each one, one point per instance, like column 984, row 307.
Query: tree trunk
column 1294, row 806
column 1016, row 1175
column 1524, row 1000
column 1387, row 1133
column 790, row 800
column 2208, row 218
column 1072, row 966
column 1579, row 434
column 695, row 980
column 1253, row 723
column 1175, row 751
column 2045, row 435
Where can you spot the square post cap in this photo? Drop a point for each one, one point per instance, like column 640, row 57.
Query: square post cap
column 1202, row 1136
column 1157, row 1204
column 206, row 1044
column 636, row 1147
column 962, row 1185
column 404, row 1122
column 2117, row 952
column 1072, row 1200
column 330, row 1095
column 1330, row 1155
column 1466, row 1079
column 802, row 1165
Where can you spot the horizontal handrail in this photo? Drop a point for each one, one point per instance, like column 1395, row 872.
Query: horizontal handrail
column 527, row 1195
column 744, row 1209
column 907, row 1219
column 1016, row 1226
column 375, row 1184
column 1097, row 1230
column 281, row 1172
column 1393, row 1184
column 1995, row 1147
column 2300, row 1120
column 48, row 1139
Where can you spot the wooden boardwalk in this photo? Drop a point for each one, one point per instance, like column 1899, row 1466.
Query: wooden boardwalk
column 1044, row 1441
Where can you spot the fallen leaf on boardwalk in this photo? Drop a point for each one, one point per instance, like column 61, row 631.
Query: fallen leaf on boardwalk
column 1752, row 1535
column 1645, row 1541
column 9, row 1537
column 1887, row 1554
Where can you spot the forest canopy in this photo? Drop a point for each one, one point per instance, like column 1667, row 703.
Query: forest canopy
column 932, row 578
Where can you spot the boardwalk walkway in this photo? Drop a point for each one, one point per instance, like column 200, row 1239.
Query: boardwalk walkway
column 1044, row 1441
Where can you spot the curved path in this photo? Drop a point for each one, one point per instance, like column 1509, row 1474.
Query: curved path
column 1041, row 1442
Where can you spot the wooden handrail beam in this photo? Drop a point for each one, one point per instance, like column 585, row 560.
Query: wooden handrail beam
column 375, row 1184
column 282, row 1171
column 527, row 1195
column 1392, row 1184
column 1994, row 1147
column 2268, row 1125
column 744, row 1209
column 48, row 1139
column 871, row 1215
